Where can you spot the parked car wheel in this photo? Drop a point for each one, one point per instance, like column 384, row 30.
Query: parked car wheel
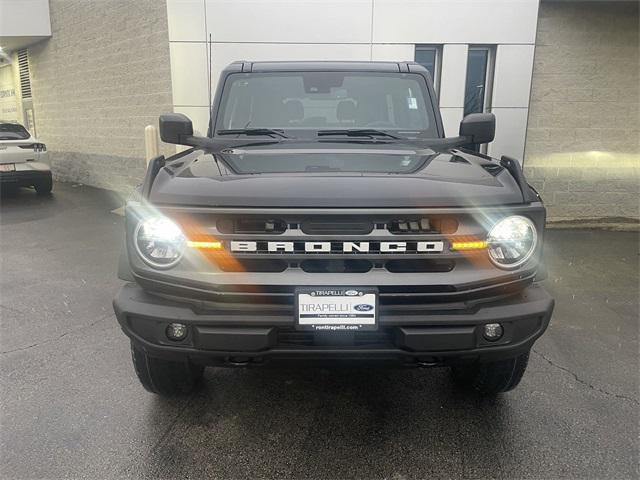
column 165, row 377
column 491, row 378
column 44, row 187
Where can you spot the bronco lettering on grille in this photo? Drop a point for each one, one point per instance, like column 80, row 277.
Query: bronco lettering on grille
column 336, row 247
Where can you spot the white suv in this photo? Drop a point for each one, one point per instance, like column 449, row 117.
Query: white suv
column 24, row 161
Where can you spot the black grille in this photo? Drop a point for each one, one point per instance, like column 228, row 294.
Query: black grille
column 250, row 225
column 419, row 266
column 320, row 246
column 265, row 265
column 336, row 266
column 416, row 225
column 333, row 226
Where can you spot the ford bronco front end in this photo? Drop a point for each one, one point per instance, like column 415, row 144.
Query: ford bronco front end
column 326, row 218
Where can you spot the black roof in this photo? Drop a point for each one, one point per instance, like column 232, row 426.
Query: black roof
column 247, row 66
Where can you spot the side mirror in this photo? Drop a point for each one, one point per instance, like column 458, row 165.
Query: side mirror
column 175, row 128
column 479, row 127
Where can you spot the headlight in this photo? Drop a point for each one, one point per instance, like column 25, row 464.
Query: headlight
column 512, row 241
column 159, row 242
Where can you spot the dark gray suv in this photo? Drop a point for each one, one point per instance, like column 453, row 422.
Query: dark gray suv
column 326, row 218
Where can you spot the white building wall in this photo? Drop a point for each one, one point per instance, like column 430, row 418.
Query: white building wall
column 8, row 95
column 257, row 30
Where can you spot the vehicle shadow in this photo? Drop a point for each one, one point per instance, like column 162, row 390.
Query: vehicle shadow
column 328, row 423
column 19, row 205
column 9, row 191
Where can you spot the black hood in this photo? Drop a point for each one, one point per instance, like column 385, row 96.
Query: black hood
column 340, row 175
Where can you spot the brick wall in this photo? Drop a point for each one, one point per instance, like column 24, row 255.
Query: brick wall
column 101, row 78
column 583, row 139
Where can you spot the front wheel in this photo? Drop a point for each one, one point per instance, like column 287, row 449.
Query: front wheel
column 491, row 378
column 165, row 377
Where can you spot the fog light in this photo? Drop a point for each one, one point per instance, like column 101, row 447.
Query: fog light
column 493, row 331
column 176, row 331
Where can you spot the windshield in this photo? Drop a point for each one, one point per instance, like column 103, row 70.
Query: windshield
column 13, row 131
column 317, row 101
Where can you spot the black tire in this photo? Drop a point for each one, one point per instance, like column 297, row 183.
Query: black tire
column 491, row 378
column 165, row 377
column 44, row 187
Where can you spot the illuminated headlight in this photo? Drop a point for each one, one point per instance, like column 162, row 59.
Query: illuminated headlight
column 512, row 241
column 159, row 242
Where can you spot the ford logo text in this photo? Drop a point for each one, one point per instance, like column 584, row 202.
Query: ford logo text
column 363, row 307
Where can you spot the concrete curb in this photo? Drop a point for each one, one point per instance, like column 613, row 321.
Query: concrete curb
column 617, row 224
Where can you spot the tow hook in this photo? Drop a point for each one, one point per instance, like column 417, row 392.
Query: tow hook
column 239, row 361
column 427, row 364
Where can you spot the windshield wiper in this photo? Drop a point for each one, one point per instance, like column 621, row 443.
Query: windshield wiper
column 254, row 131
column 364, row 132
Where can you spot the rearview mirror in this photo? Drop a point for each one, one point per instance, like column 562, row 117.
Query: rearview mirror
column 175, row 128
column 479, row 127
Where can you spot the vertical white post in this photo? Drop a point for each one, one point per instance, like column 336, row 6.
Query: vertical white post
column 151, row 143
column 453, row 77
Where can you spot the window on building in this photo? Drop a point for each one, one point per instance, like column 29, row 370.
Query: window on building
column 429, row 56
column 478, row 88
column 477, row 95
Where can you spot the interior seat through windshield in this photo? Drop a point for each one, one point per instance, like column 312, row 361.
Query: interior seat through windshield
column 316, row 101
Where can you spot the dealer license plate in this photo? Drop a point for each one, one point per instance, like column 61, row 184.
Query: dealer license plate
column 7, row 167
column 330, row 309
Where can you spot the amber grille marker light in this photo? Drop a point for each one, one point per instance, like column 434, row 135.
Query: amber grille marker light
column 205, row 245
column 208, row 246
column 474, row 245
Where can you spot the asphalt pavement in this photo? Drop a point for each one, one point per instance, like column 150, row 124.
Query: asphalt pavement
column 71, row 405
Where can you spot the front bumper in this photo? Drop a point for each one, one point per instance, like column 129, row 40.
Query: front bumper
column 245, row 336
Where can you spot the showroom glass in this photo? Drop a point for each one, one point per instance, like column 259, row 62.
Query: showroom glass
column 429, row 58
column 13, row 131
column 477, row 87
column 475, row 94
column 319, row 101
